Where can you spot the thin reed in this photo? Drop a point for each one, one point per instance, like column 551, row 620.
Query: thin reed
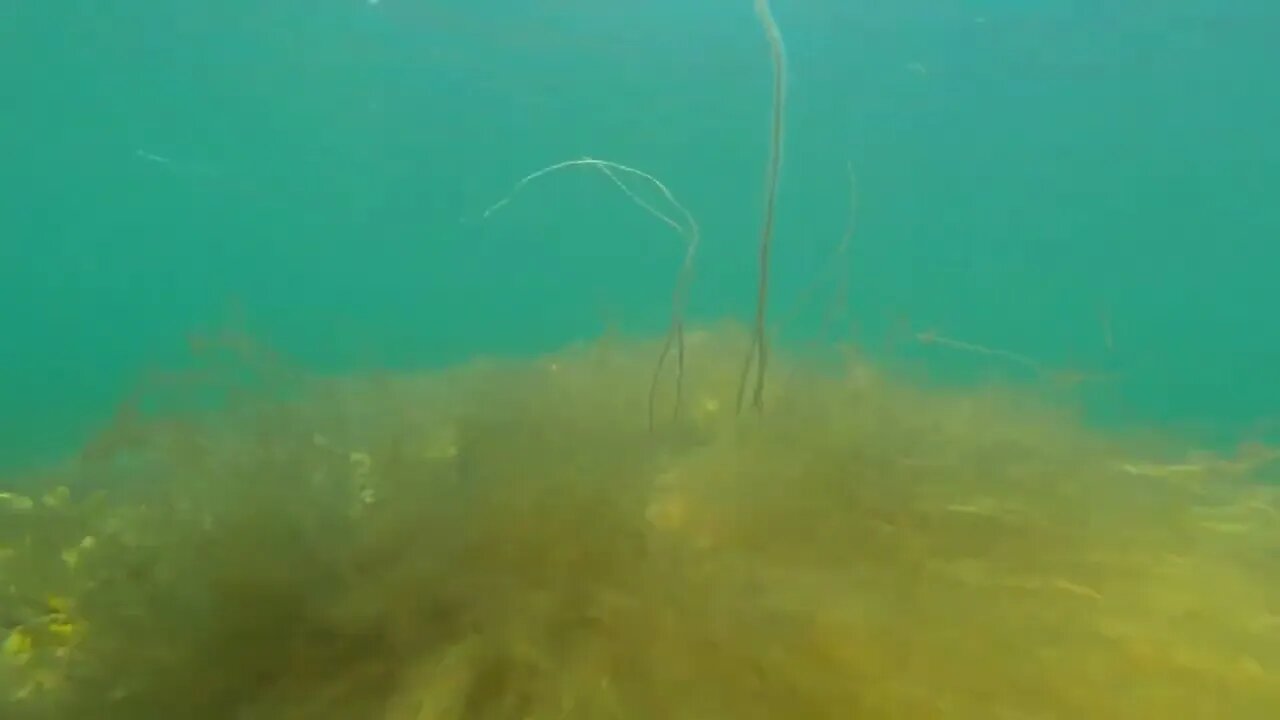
column 758, row 352
column 674, row 340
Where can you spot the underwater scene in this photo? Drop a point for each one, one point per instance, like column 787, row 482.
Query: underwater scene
column 605, row 360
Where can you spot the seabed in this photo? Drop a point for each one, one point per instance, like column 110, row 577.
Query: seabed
column 509, row 540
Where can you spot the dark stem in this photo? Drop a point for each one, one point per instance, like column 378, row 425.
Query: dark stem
column 758, row 353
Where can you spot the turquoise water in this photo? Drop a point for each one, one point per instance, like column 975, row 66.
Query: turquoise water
column 1031, row 176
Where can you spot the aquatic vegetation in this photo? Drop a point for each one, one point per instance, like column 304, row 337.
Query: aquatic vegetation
column 508, row 540
column 758, row 352
column 688, row 229
column 42, row 543
column 834, row 275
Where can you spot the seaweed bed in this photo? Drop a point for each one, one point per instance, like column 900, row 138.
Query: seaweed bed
column 509, row 540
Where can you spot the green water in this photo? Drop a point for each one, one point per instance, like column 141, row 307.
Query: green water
column 317, row 171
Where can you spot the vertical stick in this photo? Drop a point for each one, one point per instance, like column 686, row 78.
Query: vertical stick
column 758, row 352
